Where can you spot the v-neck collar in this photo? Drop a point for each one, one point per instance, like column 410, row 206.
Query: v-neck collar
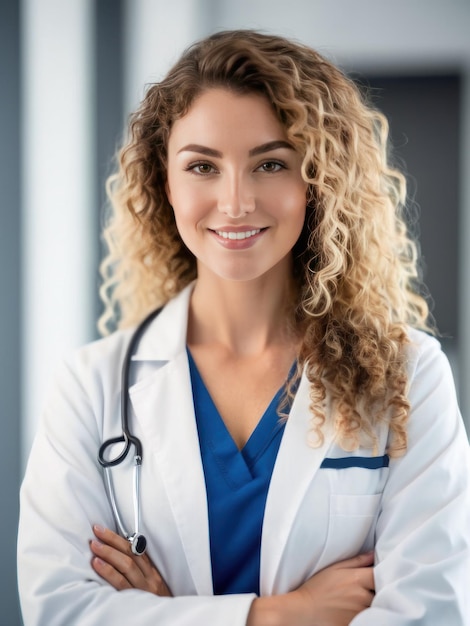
column 217, row 436
column 264, row 432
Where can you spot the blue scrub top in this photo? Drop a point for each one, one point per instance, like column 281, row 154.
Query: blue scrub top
column 237, row 483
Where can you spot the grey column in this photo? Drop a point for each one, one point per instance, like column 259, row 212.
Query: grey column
column 10, row 277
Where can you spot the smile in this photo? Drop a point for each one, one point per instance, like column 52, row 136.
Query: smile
column 238, row 235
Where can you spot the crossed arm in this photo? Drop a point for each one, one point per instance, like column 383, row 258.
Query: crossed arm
column 332, row 597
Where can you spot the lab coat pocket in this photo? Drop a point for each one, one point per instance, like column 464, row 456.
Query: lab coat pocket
column 351, row 527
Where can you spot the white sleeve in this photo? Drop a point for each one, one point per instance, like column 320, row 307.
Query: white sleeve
column 422, row 571
column 61, row 497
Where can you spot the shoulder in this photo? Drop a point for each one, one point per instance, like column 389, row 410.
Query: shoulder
column 100, row 355
column 424, row 353
column 422, row 341
column 91, row 374
column 435, row 416
column 164, row 337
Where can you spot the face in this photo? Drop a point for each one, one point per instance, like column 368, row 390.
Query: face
column 235, row 185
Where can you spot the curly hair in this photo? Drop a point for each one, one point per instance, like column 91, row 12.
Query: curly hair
column 355, row 263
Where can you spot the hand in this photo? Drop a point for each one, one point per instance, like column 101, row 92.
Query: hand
column 339, row 592
column 114, row 561
column 332, row 597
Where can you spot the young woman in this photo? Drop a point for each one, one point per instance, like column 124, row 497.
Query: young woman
column 304, row 460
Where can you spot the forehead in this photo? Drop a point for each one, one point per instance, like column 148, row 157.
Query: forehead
column 219, row 115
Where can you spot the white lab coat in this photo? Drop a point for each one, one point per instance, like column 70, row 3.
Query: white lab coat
column 416, row 512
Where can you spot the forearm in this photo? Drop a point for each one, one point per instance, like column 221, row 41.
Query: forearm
column 273, row 611
column 289, row 609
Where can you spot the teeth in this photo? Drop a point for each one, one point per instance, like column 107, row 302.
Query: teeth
column 241, row 235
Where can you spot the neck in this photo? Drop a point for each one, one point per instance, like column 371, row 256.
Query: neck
column 243, row 317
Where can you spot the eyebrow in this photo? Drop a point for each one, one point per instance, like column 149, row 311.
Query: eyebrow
column 265, row 147
column 271, row 145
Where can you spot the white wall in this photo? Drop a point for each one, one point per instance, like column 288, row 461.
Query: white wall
column 57, row 183
column 156, row 33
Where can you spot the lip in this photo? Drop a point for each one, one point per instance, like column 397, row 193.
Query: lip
column 237, row 238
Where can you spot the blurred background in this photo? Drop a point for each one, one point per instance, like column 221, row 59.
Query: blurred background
column 70, row 73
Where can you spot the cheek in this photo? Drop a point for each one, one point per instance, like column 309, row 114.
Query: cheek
column 187, row 206
column 296, row 212
column 295, row 208
column 189, row 215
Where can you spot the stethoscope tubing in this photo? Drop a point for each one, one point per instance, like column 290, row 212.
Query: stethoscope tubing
column 137, row 541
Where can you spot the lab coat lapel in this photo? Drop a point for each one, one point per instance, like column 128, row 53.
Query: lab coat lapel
column 163, row 405
column 295, row 468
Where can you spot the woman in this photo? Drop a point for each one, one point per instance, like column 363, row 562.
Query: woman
column 304, row 457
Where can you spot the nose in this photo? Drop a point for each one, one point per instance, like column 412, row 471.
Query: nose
column 236, row 197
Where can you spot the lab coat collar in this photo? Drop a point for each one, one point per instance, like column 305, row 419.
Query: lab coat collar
column 166, row 336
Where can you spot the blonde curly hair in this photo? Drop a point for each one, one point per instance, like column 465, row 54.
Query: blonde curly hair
column 355, row 264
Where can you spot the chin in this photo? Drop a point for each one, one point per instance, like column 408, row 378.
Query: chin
column 246, row 273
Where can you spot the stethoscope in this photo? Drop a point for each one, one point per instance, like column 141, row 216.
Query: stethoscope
column 136, row 539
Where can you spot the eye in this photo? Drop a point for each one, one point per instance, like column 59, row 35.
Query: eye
column 271, row 167
column 201, row 168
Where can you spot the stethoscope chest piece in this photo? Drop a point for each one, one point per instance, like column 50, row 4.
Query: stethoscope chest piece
column 138, row 543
